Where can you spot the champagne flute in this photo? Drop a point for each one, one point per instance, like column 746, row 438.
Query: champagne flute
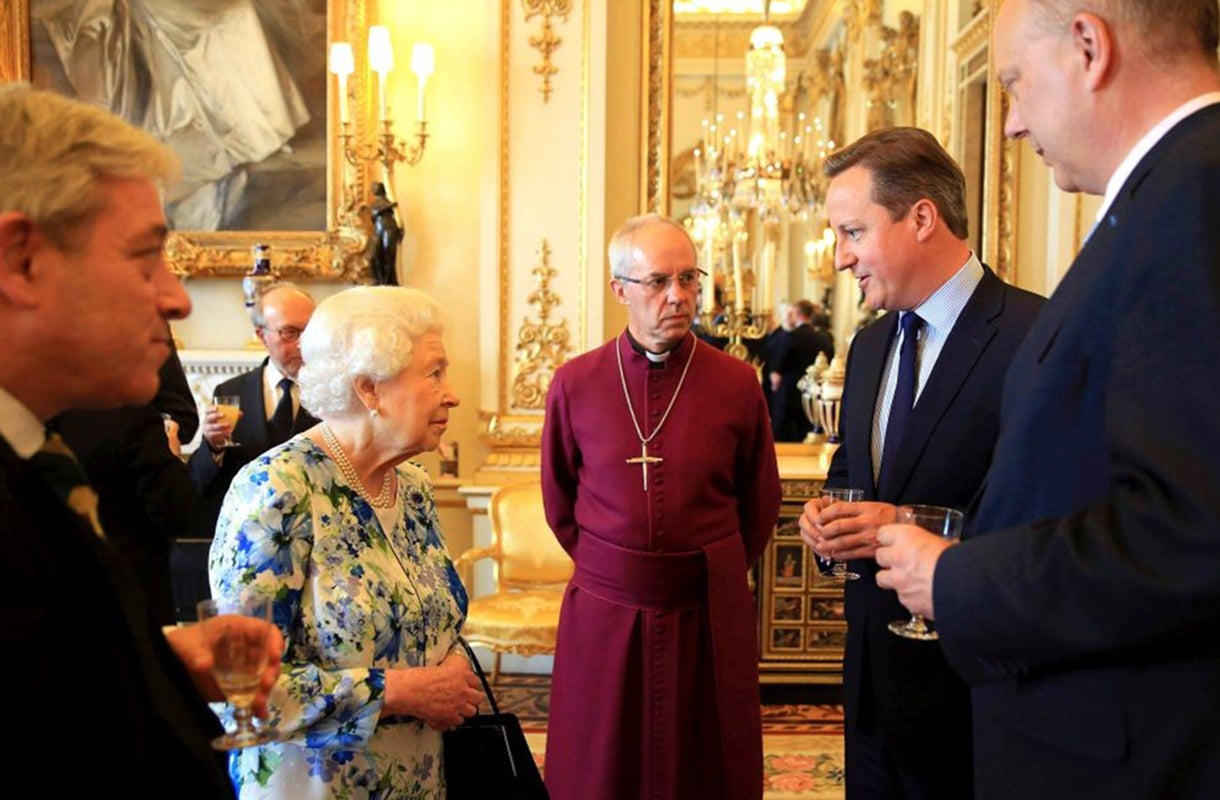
column 229, row 408
column 239, row 653
column 838, row 569
column 946, row 522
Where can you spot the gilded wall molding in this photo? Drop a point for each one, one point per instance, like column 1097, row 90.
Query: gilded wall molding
column 658, row 30
column 859, row 15
column 890, row 79
column 542, row 345
column 547, row 41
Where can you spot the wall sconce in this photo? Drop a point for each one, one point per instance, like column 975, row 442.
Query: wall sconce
column 384, row 148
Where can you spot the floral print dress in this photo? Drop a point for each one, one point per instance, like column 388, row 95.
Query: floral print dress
column 351, row 599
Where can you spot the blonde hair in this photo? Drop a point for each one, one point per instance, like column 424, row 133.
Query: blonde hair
column 53, row 150
column 367, row 330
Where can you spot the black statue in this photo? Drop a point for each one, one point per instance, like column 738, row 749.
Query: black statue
column 387, row 233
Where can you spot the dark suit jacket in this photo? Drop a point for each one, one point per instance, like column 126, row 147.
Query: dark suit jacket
column 100, row 704
column 212, row 480
column 145, row 493
column 898, row 690
column 798, row 350
column 1086, row 616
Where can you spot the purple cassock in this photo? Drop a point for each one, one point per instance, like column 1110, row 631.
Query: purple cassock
column 655, row 687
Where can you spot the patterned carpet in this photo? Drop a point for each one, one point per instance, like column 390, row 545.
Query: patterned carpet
column 802, row 744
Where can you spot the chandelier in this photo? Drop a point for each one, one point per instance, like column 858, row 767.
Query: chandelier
column 746, row 195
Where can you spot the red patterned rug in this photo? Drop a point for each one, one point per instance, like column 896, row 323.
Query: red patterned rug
column 802, row 744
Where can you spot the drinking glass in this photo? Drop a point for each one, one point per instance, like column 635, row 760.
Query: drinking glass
column 838, row 569
column 239, row 653
column 946, row 522
column 229, row 408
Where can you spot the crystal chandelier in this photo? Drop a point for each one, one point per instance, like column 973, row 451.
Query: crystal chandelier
column 744, row 196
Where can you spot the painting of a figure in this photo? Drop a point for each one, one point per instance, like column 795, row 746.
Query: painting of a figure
column 236, row 87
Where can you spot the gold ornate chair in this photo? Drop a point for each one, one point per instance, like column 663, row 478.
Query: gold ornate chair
column 530, row 572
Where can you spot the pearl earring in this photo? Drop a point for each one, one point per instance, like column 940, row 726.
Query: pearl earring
column 374, row 413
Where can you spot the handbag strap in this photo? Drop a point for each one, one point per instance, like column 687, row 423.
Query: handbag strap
column 478, row 670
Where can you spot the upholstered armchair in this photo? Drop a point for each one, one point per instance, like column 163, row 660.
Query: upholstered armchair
column 530, row 572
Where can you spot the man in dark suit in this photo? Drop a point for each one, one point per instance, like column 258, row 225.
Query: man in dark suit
column 897, row 204
column 271, row 414
column 799, row 349
column 85, row 294
column 145, row 494
column 1084, row 603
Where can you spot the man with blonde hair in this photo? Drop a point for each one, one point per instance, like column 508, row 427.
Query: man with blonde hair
column 1083, row 603
column 101, row 694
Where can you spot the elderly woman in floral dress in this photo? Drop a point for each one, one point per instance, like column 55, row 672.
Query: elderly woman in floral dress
column 343, row 533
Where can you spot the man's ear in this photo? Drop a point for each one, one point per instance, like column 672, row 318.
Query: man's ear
column 1094, row 48
column 20, row 242
column 616, row 286
column 925, row 216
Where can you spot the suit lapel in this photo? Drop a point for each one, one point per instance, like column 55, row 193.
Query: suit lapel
column 971, row 334
column 253, row 424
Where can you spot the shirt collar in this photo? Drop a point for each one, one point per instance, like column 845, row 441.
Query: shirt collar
column 24, row 432
column 655, row 358
column 272, row 375
column 1149, row 140
column 943, row 306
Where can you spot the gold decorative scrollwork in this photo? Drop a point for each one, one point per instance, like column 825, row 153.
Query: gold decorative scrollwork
column 543, row 345
column 547, row 42
column 859, row 15
column 890, row 78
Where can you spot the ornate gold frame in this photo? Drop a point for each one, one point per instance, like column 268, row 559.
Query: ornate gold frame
column 338, row 253
column 1001, row 156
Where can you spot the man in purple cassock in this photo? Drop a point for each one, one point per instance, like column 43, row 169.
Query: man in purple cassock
column 659, row 478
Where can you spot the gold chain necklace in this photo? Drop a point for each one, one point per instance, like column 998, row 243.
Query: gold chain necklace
column 644, row 459
column 384, row 499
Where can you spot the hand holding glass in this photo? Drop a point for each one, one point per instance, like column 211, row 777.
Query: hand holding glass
column 946, row 522
column 239, row 653
column 229, row 408
column 838, row 569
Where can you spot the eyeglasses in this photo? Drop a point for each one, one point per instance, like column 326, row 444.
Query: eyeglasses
column 288, row 333
column 655, row 284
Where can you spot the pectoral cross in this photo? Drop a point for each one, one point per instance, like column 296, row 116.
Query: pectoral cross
column 644, row 460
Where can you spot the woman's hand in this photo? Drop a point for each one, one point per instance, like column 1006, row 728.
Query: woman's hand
column 441, row 696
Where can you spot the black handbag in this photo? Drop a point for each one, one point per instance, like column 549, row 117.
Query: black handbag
column 487, row 755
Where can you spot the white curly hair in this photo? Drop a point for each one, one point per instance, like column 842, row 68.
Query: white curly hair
column 367, row 330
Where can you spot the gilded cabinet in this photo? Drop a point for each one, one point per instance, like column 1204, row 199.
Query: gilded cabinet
column 801, row 626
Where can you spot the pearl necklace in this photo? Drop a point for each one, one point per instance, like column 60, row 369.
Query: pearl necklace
column 384, row 499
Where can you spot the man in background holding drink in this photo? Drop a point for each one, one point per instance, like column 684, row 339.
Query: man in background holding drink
column 919, row 418
column 250, row 414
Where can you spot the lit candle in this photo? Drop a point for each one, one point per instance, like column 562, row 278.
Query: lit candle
column 768, row 269
column 738, row 295
column 342, row 64
column 709, row 280
column 381, row 61
column 423, row 64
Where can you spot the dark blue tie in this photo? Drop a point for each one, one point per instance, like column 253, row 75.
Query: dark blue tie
column 279, row 427
column 904, row 392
